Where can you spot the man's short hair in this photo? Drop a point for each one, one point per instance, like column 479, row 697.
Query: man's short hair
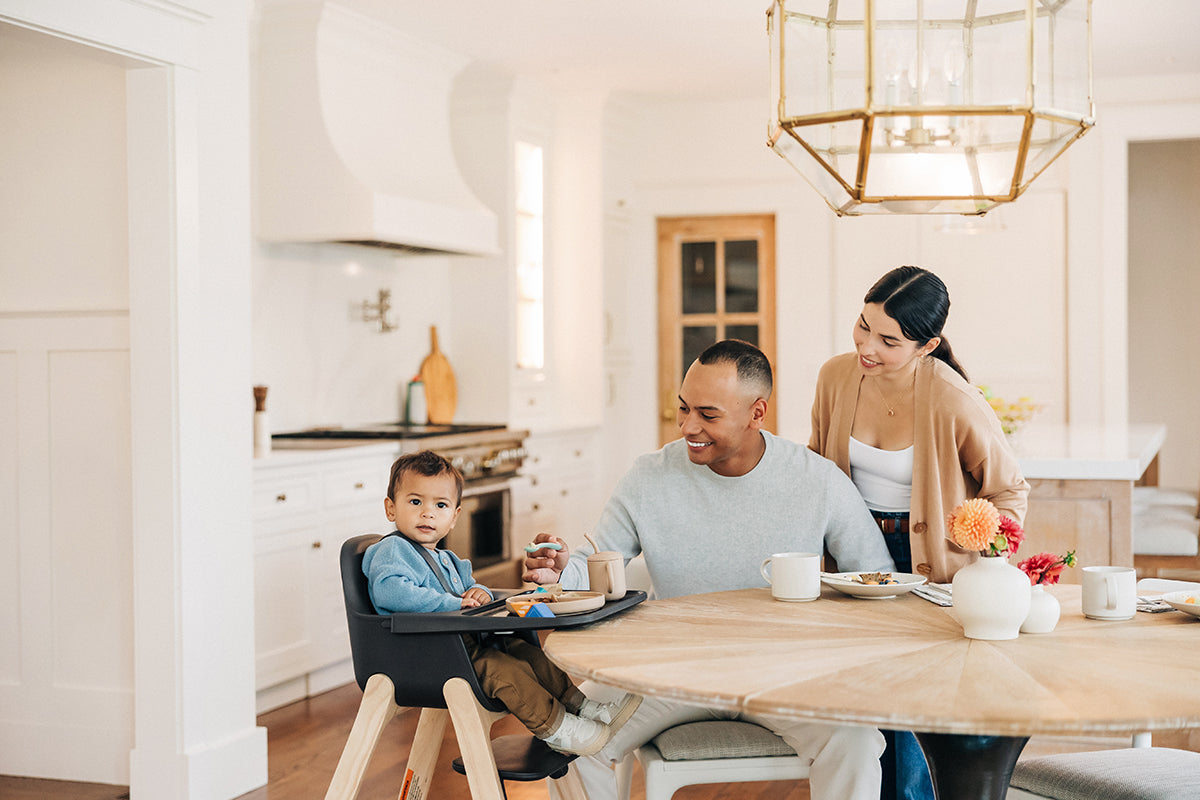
column 429, row 464
column 753, row 368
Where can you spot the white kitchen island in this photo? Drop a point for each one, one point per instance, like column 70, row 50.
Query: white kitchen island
column 1082, row 479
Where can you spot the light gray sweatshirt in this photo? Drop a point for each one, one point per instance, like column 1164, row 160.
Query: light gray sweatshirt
column 703, row 532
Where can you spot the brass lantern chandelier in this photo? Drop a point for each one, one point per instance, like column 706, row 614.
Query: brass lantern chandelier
column 927, row 106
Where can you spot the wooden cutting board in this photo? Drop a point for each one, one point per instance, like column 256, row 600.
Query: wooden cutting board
column 441, row 391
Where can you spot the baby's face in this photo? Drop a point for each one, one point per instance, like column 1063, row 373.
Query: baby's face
column 425, row 507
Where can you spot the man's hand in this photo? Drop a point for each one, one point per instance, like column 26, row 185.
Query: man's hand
column 544, row 565
column 475, row 597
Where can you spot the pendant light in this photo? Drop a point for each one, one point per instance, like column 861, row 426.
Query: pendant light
column 927, row 106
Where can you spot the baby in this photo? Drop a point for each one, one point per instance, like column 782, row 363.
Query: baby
column 406, row 572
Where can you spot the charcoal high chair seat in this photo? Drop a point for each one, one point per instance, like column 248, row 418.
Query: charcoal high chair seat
column 420, row 660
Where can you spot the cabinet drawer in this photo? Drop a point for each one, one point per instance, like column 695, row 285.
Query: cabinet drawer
column 275, row 498
column 360, row 485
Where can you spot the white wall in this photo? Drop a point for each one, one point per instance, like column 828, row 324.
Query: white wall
column 322, row 364
column 1164, row 287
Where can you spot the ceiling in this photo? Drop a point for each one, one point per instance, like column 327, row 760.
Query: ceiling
column 718, row 48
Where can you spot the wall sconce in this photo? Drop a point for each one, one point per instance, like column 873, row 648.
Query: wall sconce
column 378, row 311
column 927, row 106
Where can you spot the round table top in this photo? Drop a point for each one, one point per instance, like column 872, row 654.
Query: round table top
column 900, row 663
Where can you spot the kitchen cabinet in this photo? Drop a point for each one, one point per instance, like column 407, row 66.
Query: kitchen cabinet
column 305, row 505
column 558, row 491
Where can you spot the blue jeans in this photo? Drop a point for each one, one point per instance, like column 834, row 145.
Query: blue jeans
column 905, row 773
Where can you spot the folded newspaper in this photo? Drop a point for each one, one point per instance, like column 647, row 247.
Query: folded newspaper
column 938, row 593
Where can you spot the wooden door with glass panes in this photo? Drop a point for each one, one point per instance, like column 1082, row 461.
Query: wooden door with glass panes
column 716, row 280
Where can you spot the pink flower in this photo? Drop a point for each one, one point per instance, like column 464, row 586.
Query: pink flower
column 1046, row 568
column 1013, row 533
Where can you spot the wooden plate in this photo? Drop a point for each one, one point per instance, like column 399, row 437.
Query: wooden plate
column 567, row 602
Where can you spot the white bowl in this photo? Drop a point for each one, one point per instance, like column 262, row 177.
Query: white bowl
column 845, row 582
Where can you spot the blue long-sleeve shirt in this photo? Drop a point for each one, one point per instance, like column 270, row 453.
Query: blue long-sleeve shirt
column 399, row 578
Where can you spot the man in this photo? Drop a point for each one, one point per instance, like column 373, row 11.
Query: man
column 705, row 510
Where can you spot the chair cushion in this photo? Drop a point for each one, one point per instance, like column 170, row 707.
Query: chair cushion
column 1166, row 533
column 723, row 738
column 1143, row 773
column 1149, row 497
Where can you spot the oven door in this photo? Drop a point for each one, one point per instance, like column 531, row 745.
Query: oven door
column 481, row 532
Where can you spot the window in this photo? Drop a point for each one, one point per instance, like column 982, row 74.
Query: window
column 531, row 319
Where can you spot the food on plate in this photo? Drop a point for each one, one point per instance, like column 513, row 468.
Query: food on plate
column 1191, row 600
column 875, row 578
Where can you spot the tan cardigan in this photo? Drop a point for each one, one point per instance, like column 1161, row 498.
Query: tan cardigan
column 959, row 452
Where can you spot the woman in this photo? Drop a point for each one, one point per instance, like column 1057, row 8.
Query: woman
column 900, row 418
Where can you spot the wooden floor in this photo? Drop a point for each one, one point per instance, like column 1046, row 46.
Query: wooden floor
column 305, row 739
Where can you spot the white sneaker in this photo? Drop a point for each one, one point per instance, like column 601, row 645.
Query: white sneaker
column 614, row 714
column 583, row 737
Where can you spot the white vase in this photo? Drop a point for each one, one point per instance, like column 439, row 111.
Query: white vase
column 991, row 599
column 1043, row 611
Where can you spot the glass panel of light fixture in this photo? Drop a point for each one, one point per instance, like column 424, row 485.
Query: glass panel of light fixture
column 980, row 159
column 747, row 333
column 698, row 274
column 741, row 276
column 811, row 169
column 1060, row 59
column 696, row 339
column 1000, row 72
column 1047, row 140
column 836, row 144
column 806, row 70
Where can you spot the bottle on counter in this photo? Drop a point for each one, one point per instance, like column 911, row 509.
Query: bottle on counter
column 415, row 410
column 262, row 423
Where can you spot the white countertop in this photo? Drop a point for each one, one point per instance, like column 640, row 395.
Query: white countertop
column 1087, row 452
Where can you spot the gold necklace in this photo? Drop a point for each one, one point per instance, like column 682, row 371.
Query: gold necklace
column 891, row 411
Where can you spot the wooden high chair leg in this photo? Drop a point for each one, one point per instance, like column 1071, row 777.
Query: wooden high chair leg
column 472, row 728
column 377, row 709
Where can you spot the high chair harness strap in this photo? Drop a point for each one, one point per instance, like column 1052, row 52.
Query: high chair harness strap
column 432, row 562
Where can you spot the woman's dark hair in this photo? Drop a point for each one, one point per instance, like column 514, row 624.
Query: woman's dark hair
column 918, row 301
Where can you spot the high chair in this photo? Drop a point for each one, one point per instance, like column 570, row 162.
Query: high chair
column 420, row 660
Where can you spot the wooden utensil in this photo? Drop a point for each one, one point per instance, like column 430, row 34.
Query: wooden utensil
column 441, row 391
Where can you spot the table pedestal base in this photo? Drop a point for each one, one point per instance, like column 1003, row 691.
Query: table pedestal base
column 970, row 767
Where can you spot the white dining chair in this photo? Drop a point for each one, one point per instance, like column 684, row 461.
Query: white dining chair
column 712, row 751
column 1166, row 530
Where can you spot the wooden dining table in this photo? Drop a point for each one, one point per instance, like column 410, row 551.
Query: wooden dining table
column 902, row 663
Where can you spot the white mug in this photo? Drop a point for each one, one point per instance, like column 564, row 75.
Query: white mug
column 794, row 577
column 606, row 574
column 1109, row 592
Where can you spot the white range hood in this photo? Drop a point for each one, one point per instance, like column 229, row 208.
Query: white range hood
column 353, row 136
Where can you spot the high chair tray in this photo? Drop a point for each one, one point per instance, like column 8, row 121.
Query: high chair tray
column 493, row 617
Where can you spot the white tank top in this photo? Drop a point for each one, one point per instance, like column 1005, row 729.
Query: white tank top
column 883, row 477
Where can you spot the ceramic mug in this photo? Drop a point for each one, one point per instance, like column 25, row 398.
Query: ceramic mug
column 606, row 574
column 1109, row 592
column 794, row 577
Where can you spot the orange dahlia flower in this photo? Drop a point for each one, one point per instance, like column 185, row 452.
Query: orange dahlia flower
column 974, row 524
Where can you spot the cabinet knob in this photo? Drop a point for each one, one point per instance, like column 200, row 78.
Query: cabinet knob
column 281, row 498
column 358, row 485
column 316, row 546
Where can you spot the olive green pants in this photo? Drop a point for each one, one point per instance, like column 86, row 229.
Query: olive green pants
column 531, row 687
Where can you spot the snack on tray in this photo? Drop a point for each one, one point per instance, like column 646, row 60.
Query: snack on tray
column 875, row 578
